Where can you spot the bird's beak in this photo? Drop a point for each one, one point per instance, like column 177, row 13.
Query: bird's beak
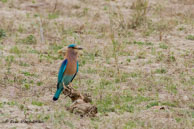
column 79, row 48
column 80, row 52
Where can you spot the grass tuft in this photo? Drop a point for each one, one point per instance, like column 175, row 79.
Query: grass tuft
column 37, row 103
column 190, row 37
column 140, row 8
column 30, row 39
column 2, row 33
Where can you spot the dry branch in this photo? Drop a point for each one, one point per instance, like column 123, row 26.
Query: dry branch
column 81, row 103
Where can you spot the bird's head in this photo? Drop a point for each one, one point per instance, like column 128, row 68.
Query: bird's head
column 71, row 49
column 74, row 47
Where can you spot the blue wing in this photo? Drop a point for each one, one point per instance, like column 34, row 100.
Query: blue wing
column 61, row 70
column 76, row 71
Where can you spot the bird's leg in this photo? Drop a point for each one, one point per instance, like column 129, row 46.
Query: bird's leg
column 69, row 88
column 71, row 85
column 82, row 97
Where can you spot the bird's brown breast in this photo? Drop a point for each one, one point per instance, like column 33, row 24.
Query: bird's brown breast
column 71, row 67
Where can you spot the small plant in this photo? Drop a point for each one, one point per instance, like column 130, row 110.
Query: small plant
column 84, row 12
column 163, row 46
column 133, row 74
column 28, row 74
column 141, row 55
column 39, row 83
column 171, row 57
column 181, row 28
column 139, row 99
column 142, row 43
column 15, row 50
column 28, row 40
column 149, row 28
column 53, row 15
column 20, row 29
column 130, row 125
column 27, row 86
column 106, row 104
column 11, row 103
column 1, row 105
column 139, row 16
column 178, row 120
column 37, row 103
column 33, row 1
column 116, row 45
column 160, row 56
column 21, row 107
column 4, row 1
column 190, row 37
column 2, row 33
column 160, row 71
column 9, row 60
column 172, row 89
column 152, row 104
column 170, row 104
column 24, row 64
column 162, row 26
column 128, row 108
column 128, row 60
column 55, row 47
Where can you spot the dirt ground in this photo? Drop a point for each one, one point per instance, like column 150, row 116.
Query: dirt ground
column 137, row 63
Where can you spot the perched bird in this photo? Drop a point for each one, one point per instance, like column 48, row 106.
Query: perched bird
column 68, row 69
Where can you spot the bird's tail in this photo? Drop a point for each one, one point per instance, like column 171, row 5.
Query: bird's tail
column 57, row 94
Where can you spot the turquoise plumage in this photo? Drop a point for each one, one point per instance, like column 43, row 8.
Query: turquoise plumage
column 65, row 75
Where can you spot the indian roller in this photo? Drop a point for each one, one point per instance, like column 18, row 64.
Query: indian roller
column 68, row 69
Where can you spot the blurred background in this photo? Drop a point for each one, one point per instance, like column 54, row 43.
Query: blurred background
column 137, row 63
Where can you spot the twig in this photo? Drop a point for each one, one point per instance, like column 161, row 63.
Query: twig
column 81, row 103
column 55, row 7
column 41, row 31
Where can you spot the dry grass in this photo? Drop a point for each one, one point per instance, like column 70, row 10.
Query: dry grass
column 137, row 63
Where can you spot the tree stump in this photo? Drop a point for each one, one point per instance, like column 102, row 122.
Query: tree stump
column 81, row 103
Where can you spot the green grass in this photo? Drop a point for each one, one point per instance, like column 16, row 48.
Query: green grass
column 27, row 86
column 4, row 1
column 142, row 43
column 152, row 104
column 2, row 33
column 9, row 59
column 160, row 71
column 53, row 15
column 170, row 104
column 190, row 37
column 37, row 103
column 11, row 103
column 28, row 73
column 24, row 64
column 30, row 39
column 39, row 83
column 1, row 105
column 172, row 89
column 130, row 125
column 163, row 46
column 15, row 50
column 141, row 55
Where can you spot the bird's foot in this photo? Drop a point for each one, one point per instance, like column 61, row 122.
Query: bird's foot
column 71, row 85
column 70, row 89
